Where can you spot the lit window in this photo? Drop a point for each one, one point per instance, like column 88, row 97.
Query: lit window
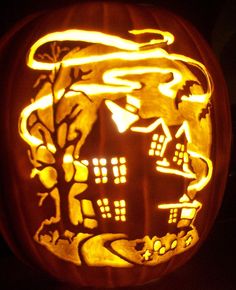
column 157, row 145
column 100, row 170
column 173, row 216
column 180, row 155
column 104, row 208
column 119, row 169
column 120, row 210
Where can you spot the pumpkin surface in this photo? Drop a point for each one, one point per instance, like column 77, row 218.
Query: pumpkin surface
column 116, row 141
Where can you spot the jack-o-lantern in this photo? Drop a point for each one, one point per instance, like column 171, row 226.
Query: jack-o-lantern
column 116, row 139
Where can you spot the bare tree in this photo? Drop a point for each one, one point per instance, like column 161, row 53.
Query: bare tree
column 58, row 128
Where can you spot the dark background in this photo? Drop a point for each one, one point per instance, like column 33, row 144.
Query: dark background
column 214, row 266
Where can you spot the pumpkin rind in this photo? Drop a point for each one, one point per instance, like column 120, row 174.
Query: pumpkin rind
column 116, row 133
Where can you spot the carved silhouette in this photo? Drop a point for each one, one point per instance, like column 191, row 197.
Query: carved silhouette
column 71, row 94
column 54, row 128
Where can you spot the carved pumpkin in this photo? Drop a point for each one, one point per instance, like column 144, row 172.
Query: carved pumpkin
column 116, row 139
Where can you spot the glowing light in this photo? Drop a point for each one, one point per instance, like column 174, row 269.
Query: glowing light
column 85, row 162
column 92, row 37
column 173, row 215
column 200, row 184
column 162, row 250
column 104, row 171
column 34, row 172
column 61, row 134
column 194, row 204
column 117, row 180
column 42, row 197
column 133, row 101
column 167, row 36
column 81, row 173
column 114, row 81
column 117, row 211
column 188, row 213
column 122, row 160
column 103, row 161
column 120, row 210
column 125, row 64
column 76, row 35
column 189, row 175
column 130, row 108
column 67, row 158
column 90, row 223
column 131, row 49
column 123, row 169
column 161, row 139
column 188, row 241
column 123, row 211
column 105, row 201
column 184, row 198
column 114, row 161
column 116, row 171
column 100, row 171
column 163, row 162
column 40, row 104
column 99, row 202
column 157, row 245
column 97, row 171
column 48, row 176
column 151, row 152
column 95, row 161
column 184, row 129
column 174, row 244
column 121, row 117
column 87, row 208
column 152, row 127
column 153, row 145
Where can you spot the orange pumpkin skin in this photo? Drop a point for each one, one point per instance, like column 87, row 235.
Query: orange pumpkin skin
column 91, row 192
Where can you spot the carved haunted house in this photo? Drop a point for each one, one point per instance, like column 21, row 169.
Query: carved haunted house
column 119, row 159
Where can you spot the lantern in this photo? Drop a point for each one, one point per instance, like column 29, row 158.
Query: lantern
column 116, row 139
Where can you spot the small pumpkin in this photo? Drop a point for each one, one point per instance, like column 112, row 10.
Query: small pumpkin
column 116, row 141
